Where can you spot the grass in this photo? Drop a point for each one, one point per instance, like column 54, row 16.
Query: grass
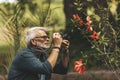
column 58, row 15
column 4, row 47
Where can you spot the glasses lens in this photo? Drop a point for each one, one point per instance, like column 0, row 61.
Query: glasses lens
column 44, row 37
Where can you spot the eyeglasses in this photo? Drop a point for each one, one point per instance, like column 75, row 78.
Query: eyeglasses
column 42, row 37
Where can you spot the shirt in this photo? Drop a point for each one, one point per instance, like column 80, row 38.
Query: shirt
column 29, row 65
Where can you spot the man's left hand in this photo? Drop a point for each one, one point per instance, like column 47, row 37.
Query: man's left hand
column 65, row 44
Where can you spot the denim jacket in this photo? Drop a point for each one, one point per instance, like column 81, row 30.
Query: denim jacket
column 29, row 65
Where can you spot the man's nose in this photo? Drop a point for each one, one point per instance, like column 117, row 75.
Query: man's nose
column 48, row 39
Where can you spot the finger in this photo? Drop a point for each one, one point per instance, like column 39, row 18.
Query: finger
column 66, row 43
column 55, row 35
column 59, row 35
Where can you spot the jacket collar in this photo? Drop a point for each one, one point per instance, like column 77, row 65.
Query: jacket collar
column 37, row 52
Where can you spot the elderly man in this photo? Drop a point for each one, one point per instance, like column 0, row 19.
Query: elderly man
column 34, row 63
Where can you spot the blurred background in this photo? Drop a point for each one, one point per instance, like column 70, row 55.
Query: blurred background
column 57, row 15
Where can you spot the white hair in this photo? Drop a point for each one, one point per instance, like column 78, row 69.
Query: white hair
column 31, row 33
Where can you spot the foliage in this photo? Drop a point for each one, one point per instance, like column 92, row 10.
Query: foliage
column 103, row 51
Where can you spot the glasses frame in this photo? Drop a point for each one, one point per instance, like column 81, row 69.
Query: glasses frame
column 44, row 37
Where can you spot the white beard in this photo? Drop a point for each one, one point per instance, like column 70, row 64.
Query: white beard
column 43, row 47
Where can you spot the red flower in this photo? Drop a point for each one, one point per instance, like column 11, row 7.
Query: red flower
column 94, row 36
column 88, row 19
column 80, row 22
column 89, row 28
column 76, row 16
column 78, row 66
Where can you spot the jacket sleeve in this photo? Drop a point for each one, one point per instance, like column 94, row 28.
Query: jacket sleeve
column 60, row 69
column 28, row 62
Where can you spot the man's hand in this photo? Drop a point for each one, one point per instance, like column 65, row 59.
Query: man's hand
column 57, row 40
column 65, row 44
column 65, row 51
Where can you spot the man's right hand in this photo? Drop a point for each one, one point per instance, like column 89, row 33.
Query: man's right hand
column 57, row 40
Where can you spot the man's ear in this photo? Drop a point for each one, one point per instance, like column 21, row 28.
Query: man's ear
column 33, row 42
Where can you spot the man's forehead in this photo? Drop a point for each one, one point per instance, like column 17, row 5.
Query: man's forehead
column 40, row 32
